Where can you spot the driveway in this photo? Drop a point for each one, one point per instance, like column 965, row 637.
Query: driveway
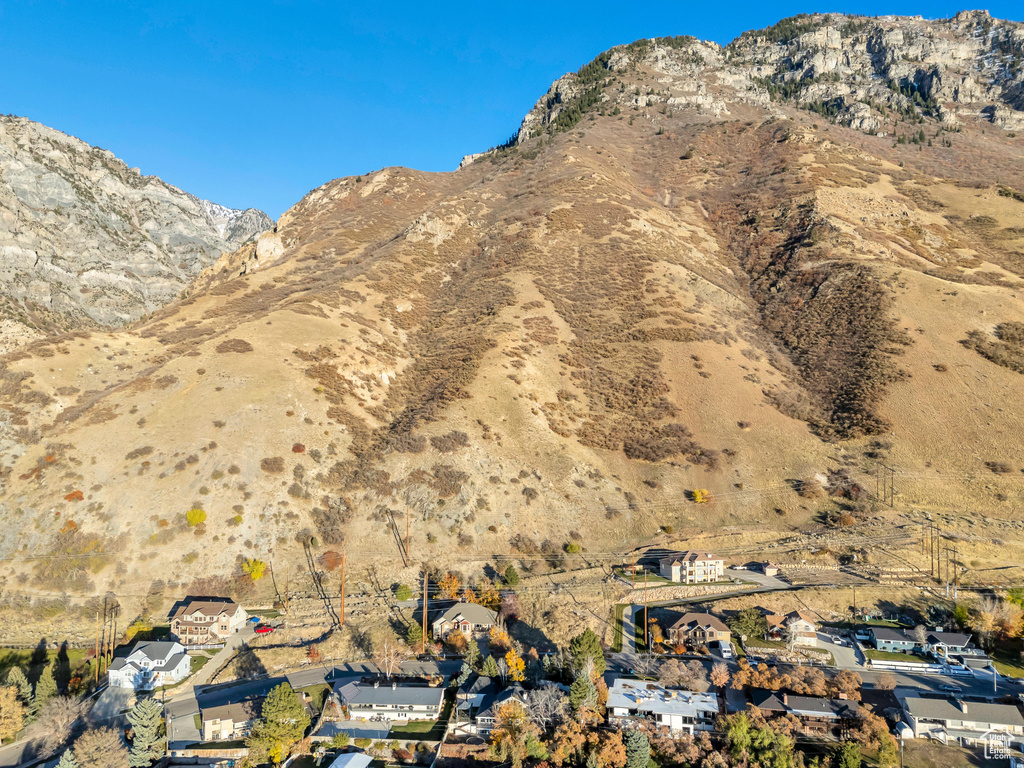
column 846, row 658
column 629, row 629
column 231, row 646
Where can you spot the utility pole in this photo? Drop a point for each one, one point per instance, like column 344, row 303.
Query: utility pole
column 287, row 588
column 632, row 569
column 341, row 608
column 426, row 580
column 407, row 514
column 96, row 660
column 647, row 641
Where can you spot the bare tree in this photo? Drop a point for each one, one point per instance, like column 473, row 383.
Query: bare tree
column 56, row 724
column 720, row 674
column 644, row 665
column 920, row 635
column 885, row 682
column 547, row 706
column 690, row 675
column 390, row 657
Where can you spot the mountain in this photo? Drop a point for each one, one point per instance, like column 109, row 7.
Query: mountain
column 86, row 241
column 771, row 270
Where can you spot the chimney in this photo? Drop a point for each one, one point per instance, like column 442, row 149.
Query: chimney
column 785, row 698
column 841, row 695
column 394, row 686
column 376, row 683
column 963, row 705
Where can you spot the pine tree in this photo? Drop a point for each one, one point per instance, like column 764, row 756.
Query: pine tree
column 46, row 689
column 511, row 576
column 67, row 760
column 282, row 723
column 490, row 667
column 148, row 737
column 472, row 654
column 638, row 749
column 586, row 645
column 16, row 678
column 582, row 692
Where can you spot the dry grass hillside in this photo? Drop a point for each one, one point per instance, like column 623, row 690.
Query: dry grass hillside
column 556, row 343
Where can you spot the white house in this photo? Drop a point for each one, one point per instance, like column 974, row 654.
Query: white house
column 797, row 626
column 679, row 711
column 390, row 701
column 692, row 567
column 150, row 665
column 966, row 722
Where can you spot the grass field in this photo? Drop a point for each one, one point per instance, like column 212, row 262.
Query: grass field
column 23, row 657
column 620, row 609
column 1006, row 663
column 909, row 658
column 424, row 730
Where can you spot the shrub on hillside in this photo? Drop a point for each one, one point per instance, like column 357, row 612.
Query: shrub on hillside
column 195, row 516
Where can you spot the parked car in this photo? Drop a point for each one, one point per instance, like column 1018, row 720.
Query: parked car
column 950, row 688
column 263, row 629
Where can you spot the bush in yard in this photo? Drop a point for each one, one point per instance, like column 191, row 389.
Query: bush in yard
column 403, row 592
column 362, row 742
column 195, row 516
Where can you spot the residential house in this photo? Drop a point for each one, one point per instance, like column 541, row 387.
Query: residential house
column 230, row 722
column 377, row 698
column 474, row 694
column 936, row 641
column 798, row 626
column 466, row 618
column 630, row 701
column 947, row 719
column 692, row 567
column 150, row 665
column 818, row 716
column 698, row 629
column 487, row 717
column 200, row 621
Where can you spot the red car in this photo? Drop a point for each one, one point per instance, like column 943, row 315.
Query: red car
column 262, row 629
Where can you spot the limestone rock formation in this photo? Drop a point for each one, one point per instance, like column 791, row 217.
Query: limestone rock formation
column 87, row 241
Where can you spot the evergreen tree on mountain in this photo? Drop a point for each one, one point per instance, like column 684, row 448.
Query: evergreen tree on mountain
column 586, row 645
column 148, row 739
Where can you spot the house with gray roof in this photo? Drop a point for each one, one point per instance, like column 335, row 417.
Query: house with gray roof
column 896, row 640
column 631, row 701
column 380, row 699
column 232, row 721
column 150, row 665
column 467, row 618
column 947, row 718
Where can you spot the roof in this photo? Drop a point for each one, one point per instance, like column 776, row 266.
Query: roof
column 163, row 654
column 639, row 696
column 779, row 620
column 236, row 711
column 352, row 760
column 368, row 693
column 976, row 711
column 892, row 634
column 208, row 606
column 481, row 684
column 487, row 708
column 807, row 706
column 689, row 556
column 702, row 620
column 471, row 612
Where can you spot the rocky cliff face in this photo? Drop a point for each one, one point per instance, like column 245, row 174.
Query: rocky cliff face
column 85, row 240
column 861, row 72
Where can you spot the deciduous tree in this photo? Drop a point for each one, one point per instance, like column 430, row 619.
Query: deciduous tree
column 283, row 722
column 720, row 674
column 101, row 748
column 12, row 712
column 450, row 586
column 514, row 736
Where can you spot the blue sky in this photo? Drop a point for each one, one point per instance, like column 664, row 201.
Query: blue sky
column 255, row 104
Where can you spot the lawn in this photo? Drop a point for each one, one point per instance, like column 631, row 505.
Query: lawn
column 617, row 636
column 318, row 693
column 22, row 657
column 755, row 642
column 925, row 753
column 874, row 655
column 422, row 730
column 1007, row 664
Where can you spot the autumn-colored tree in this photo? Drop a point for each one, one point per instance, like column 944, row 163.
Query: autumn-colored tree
column 255, row 568
column 846, row 682
column 566, row 745
column 514, row 736
column 330, row 560
column 456, row 641
column 516, row 666
column 469, row 596
column 101, row 748
column 12, row 712
column 500, row 641
column 489, row 596
column 606, row 749
column 313, row 654
column 450, row 586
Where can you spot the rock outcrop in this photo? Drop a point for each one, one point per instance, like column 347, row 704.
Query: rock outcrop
column 85, row 240
column 856, row 71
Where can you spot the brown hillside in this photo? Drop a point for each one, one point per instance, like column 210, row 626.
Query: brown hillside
column 557, row 342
